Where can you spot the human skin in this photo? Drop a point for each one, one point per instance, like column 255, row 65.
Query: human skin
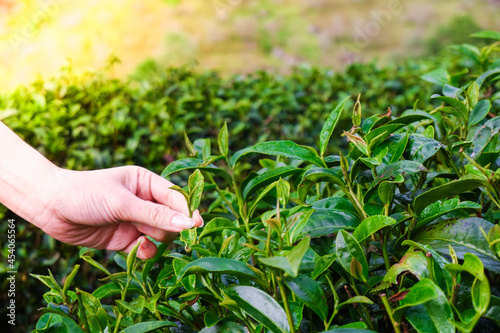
column 105, row 209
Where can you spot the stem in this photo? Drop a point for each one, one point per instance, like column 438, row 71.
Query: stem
column 388, row 308
column 385, row 254
column 83, row 315
column 287, row 306
column 219, row 191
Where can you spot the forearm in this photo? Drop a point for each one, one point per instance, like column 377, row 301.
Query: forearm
column 24, row 175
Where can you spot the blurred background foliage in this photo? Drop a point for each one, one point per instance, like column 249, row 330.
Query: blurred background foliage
column 136, row 75
column 38, row 37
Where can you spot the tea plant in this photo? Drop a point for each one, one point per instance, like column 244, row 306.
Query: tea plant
column 399, row 234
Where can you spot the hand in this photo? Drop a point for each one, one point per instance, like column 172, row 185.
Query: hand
column 112, row 208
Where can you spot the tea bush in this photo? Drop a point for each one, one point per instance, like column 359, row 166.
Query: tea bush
column 311, row 239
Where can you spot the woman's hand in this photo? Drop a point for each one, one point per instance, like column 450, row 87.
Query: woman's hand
column 112, row 208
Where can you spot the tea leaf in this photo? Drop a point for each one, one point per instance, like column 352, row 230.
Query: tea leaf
column 192, row 164
column 291, row 263
column 196, row 184
column 261, row 306
column 280, row 148
column 316, row 175
column 310, row 292
column 437, row 209
column 216, row 265
column 479, row 112
column 347, row 249
column 464, row 184
column 329, row 126
column 456, row 104
column 148, row 326
column 223, row 140
column 267, row 178
column 371, row 225
column 325, row 222
column 218, row 225
column 464, row 236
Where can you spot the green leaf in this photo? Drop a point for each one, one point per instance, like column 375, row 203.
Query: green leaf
column 132, row 256
column 217, row 265
column 479, row 112
column 261, row 306
column 464, row 184
column 70, row 279
column 291, row 263
column 493, row 311
column 316, row 175
column 480, row 80
column 484, row 135
column 322, row 264
column 135, row 306
column 192, row 164
column 489, row 34
column 347, row 249
column 402, row 168
column 280, row 148
column 189, row 144
column 223, row 140
column 472, row 95
column 437, row 209
column 438, row 76
column 348, row 330
column 49, row 281
column 371, row 225
column 148, row 326
column 464, row 235
column 325, row 222
column 218, row 225
column 283, row 189
column 329, row 126
column 426, row 301
column 267, row 178
column 413, row 261
column 196, row 184
column 310, row 292
column 456, row 104
column 227, row 326
column 355, row 300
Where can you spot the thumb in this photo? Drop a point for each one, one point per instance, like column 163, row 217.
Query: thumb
column 157, row 215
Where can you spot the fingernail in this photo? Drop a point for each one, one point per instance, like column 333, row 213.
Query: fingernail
column 183, row 222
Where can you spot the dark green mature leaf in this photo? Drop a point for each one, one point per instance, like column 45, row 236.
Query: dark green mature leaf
column 371, row 225
column 382, row 132
column 456, row 104
column 316, row 175
column 148, row 326
column 479, row 112
column 217, row 265
column 219, row 224
column 322, row 264
column 348, row 249
column 334, row 203
column 280, row 148
column 484, row 135
column 329, row 126
column 291, row 263
column 310, row 292
column 437, row 209
column 464, row 235
column 192, row 164
column 480, row 80
column 261, row 306
column 227, row 326
column 325, row 222
column 348, row 330
column 434, row 314
column 464, row 184
column 493, row 311
column 267, row 178
column 402, row 168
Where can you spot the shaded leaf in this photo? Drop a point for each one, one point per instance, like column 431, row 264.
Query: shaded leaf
column 310, row 292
